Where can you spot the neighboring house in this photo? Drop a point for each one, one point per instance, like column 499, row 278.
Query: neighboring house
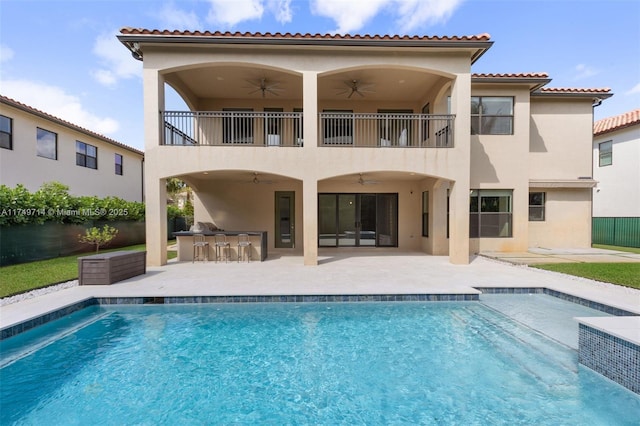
column 616, row 166
column 36, row 147
column 364, row 141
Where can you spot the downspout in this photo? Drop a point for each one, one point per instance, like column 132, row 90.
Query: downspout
column 596, row 103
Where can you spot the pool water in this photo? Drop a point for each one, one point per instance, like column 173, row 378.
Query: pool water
column 335, row 363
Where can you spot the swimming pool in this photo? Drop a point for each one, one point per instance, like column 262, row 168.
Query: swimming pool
column 313, row 363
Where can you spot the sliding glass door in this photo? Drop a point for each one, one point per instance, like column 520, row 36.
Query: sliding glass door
column 358, row 220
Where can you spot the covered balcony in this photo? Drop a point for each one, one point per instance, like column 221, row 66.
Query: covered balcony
column 273, row 129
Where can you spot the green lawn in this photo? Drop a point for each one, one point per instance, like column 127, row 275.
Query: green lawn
column 16, row 279
column 625, row 274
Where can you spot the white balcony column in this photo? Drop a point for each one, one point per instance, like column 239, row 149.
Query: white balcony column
column 155, row 187
column 459, row 193
column 309, row 172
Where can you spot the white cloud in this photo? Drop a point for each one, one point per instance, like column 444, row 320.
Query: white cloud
column 413, row 14
column 281, row 9
column 116, row 60
column 585, row 71
column 634, row 90
column 407, row 14
column 176, row 19
column 55, row 101
column 348, row 15
column 228, row 13
column 6, row 53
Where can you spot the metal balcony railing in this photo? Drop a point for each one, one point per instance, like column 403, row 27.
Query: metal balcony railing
column 386, row 130
column 247, row 128
column 222, row 128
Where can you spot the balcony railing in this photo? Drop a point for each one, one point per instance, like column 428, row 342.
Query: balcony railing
column 386, row 130
column 247, row 128
column 232, row 128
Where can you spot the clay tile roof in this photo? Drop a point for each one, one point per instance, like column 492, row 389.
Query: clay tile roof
column 512, row 75
column 617, row 122
column 278, row 35
column 574, row 90
column 27, row 108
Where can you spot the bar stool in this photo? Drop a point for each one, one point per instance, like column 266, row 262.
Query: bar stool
column 221, row 244
column 200, row 248
column 244, row 247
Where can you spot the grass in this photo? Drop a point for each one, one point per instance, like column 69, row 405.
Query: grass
column 625, row 274
column 618, row 248
column 16, row 279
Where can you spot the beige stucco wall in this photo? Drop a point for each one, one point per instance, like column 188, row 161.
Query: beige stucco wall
column 568, row 220
column 561, row 131
column 21, row 165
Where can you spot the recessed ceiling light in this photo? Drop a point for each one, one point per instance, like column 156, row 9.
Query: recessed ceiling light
column 219, row 78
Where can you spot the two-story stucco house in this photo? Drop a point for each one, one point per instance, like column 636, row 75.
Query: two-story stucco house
column 36, row 147
column 616, row 168
column 616, row 165
column 364, row 141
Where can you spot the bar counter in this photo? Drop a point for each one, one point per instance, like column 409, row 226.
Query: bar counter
column 258, row 244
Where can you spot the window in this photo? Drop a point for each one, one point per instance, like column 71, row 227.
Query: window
column 119, row 164
column 536, row 206
column 6, row 132
column 238, row 126
column 47, row 144
column 606, row 153
column 425, row 214
column 86, row 155
column 490, row 213
column 491, row 115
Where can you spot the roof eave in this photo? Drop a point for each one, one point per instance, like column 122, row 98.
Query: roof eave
column 534, row 83
column 133, row 42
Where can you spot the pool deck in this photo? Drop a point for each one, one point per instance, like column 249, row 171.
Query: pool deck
column 341, row 272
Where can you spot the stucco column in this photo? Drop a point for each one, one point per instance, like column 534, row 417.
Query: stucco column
column 459, row 193
column 310, row 173
column 438, row 213
column 155, row 186
column 156, row 221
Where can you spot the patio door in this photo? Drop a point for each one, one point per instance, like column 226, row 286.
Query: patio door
column 285, row 214
column 358, row 220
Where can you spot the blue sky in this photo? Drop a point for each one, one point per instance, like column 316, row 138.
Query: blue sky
column 63, row 57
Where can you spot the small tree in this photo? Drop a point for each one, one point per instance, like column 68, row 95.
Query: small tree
column 98, row 237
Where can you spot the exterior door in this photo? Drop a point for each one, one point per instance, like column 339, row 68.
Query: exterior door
column 285, row 223
column 358, row 220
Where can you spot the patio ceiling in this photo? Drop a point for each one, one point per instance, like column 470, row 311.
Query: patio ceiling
column 247, row 177
column 235, row 82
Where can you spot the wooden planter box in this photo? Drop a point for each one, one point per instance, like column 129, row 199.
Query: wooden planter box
column 109, row 268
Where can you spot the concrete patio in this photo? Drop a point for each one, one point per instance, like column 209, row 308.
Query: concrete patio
column 340, row 272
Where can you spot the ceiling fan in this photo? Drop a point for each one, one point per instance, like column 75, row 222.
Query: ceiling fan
column 263, row 86
column 357, row 87
column 256, row 180
column 363, row 181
